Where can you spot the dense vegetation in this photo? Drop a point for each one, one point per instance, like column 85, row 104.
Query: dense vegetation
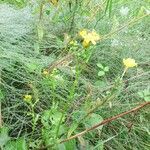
column 68, row 65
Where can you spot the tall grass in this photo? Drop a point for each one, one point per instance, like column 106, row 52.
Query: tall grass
column 30, row 45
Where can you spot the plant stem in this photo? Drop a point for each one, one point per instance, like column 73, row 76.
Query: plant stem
column 106, row 121
column 58, row 127
column 124, row 73
column 0, row 116
column 0, row 105
column 41, row 10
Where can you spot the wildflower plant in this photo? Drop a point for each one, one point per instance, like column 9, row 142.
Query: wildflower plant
column 128, row 63
column 89, row 37
column 104, row 69
column 49, row 63
column 27, row 98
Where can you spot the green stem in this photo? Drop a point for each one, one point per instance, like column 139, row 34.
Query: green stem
column 115, row 90
column 33, row 119
column 0, row 105
column 58, row 127
column 124, row 73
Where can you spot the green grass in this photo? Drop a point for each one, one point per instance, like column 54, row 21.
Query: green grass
column 61, row 99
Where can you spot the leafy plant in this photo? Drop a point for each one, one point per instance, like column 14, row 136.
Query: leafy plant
column 103, row 69
column 145, row 94
column 50, row 93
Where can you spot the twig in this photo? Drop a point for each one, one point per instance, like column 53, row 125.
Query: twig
column 57, row 63
column 106, row 121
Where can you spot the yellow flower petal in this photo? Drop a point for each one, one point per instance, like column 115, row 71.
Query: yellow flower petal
column 95, row 36
column 93, row 42
column 86, row 43
column 27, row 98
column 88, row 37
column 83, row 33
column 129, row 63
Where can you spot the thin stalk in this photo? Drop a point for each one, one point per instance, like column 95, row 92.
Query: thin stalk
column 58, row 127
column 124, row 73
column 73, row 16
column 104, row 122
column 0, row 116
column 0, row 105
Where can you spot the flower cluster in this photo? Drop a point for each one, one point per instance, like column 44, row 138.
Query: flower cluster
column 27, row 98
column 89, row 37
column 45, row 72
column 129, row 63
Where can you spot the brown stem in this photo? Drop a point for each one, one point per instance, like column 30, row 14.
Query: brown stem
column 57, row 63
column 106, row 121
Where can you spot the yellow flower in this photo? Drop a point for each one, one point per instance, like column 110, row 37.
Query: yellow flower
column 129, row 63
column 45, row 72
column 88, row 37
column 83, row 33
column 94, row 37
column 27, row 98
column 85, row 44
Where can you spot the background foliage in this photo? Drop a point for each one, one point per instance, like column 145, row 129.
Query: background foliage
column 35, row 36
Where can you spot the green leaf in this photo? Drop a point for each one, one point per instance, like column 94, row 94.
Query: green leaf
column 147, row 98
column 19, row 144
column 92, row 120
column 62, row 129
column 70, row 145
column 4, row 138
column 141, row 11
column 141, row 94
column 61, row 146
column 100, row 65
column 72, row 128
column 45, row 118
column 32, row 67
column 106, row 69
column 55, row 118
column 146, row 92
column 108, row 7
column 101, row 73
